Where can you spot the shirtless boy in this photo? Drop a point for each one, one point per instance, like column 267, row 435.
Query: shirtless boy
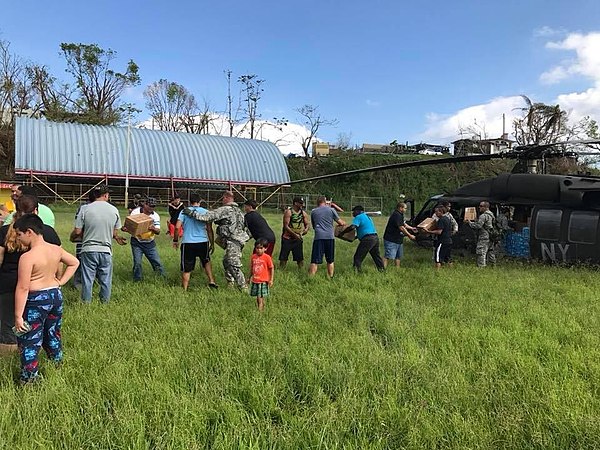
column 38, row 298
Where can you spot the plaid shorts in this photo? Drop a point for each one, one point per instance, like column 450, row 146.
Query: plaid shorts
column 259, row 289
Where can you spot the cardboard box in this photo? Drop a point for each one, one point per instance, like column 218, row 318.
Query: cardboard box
column 428, row 224
column 138, row 224
column 470, row 213
column 348, row 236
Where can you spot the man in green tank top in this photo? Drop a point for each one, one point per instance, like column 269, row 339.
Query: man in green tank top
column 295, row 226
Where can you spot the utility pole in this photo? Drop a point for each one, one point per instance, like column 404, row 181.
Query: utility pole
column 127, row 151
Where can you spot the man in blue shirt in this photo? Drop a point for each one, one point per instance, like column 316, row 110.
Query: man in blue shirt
column 367, row 235
column 197, row 242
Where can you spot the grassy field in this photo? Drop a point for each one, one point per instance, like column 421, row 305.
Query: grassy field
column 412, row 358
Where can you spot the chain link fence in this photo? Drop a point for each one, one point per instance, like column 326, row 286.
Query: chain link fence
column 76, row 193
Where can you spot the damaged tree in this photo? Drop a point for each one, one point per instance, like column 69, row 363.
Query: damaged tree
column 312, row 121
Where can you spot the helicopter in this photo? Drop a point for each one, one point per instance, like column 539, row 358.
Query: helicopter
column 556, row 217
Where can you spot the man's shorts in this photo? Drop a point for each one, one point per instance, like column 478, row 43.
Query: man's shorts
column 392, row 250
column 291, row 245
column 322, row 247
column 259, row 289
column 189, row 253
column 442, row 253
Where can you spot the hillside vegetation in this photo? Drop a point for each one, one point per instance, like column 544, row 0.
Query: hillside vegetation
column 418, row 182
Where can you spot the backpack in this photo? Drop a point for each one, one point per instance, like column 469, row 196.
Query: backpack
column 494, row 232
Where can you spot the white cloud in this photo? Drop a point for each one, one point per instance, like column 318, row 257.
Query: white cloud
column 580, row 104
column 555, row 75
column 584, row 63
column 486, row 117
column 373, row 103
column 286, row 137
column 546, row 31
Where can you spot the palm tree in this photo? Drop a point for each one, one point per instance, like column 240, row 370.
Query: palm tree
column 542, row 124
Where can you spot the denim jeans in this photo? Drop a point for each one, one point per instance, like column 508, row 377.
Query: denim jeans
column 77, row 275
column 96, row 265
column 138, row 249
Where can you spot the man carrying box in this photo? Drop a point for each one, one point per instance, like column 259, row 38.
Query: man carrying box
column 367, row 235
column 448, row 207
column 442, row 250
column 322, row 218
column 143, row 244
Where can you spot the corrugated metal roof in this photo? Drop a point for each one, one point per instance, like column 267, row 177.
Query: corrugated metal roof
column 45, row 147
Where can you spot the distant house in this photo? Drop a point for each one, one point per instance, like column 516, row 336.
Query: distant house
column 320, row 148
column 465, row 147
column 385, row 148
column 430, row 149
column 422, row 148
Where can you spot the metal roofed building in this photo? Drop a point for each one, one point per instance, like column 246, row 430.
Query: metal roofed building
column 65, row 150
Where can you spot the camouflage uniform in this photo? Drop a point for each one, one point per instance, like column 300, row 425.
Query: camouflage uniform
column 485, row 248
column 230, row 229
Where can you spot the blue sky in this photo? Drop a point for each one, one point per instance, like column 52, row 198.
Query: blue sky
column 385, row 69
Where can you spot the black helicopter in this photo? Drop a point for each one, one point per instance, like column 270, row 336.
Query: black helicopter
column 556, row 217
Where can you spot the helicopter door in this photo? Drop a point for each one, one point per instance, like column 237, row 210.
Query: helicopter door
column 582, row 234
column 561, row 235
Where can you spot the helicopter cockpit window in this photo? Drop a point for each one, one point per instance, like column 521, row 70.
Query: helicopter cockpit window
column 547, row 226
column 583, row 226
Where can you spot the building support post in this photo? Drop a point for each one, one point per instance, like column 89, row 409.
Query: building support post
column 233, row 189
column 270, row 195
column 49, row 188
column 87, row 192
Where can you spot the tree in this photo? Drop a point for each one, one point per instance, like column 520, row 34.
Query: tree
column 17, row 98
column 53, row 98
column 231, row 116
column 252, row 91
column 313, row 121
column 94, row 96
column 474, row 131
column 200, row 121
column 586, row 128
column 17, row 94
column 542, row 124
column 343, row 141
column 171, row 105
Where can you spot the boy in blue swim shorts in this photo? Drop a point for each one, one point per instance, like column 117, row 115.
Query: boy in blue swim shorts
column 38, row 298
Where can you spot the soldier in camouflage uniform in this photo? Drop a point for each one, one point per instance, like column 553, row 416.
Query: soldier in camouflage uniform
column 485, row 247
column 230, row 231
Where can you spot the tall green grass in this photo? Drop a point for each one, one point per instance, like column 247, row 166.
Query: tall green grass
column 412, row 358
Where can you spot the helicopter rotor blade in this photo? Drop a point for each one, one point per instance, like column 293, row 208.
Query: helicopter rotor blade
column 405, row 164
column 522, row 152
